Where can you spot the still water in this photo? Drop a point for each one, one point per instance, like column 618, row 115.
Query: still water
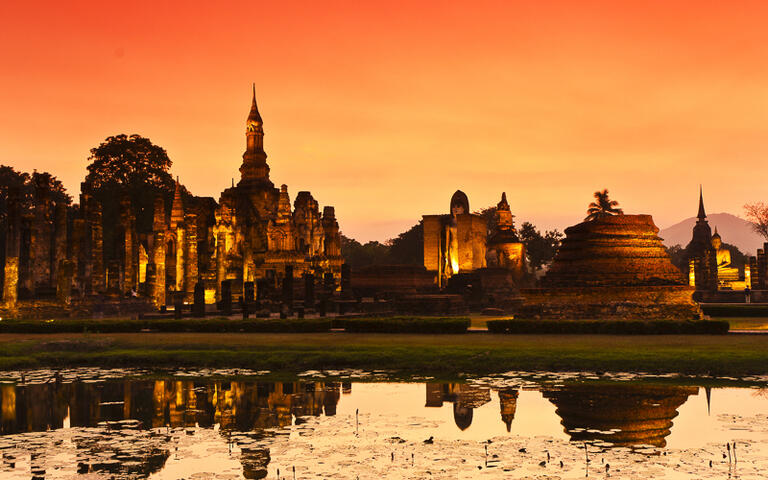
column 93, row 425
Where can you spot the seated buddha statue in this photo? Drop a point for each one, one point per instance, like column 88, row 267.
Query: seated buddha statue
column 725, row 273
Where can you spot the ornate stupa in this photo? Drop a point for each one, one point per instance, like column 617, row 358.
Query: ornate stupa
column 611, row 251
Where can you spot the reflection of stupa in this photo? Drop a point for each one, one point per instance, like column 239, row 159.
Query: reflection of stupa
column 255, row 461
column 508, row 403
column 638, row 414
column 465, row 399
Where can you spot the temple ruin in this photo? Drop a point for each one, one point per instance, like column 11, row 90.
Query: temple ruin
column 248, row 243
column 611, row 267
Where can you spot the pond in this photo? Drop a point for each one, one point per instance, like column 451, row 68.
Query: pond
column 93, row 424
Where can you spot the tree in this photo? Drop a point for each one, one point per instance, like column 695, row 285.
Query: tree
column 408, row 247
column 541, row 249
column 757, row 214
column 358, row 255
column 132, row 166
column 10, row 178
column 602, row 207
column 678, row 256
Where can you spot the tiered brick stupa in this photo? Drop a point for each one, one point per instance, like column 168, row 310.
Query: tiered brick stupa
column 612, row 267
column 615, row 250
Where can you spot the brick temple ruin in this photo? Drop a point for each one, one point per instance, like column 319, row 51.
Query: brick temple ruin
column 611, row 267
column 251, row 242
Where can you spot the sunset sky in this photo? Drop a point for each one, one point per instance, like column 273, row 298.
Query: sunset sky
column 384, row 109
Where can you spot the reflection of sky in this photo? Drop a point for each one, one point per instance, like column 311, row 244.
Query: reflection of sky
column 694, row 428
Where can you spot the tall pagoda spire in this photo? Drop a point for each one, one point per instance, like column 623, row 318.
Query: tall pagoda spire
column 254, row 116
column 702, row 214
column 254, row 171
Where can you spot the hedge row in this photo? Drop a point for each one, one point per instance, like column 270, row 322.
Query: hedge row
column 745, row 310
column 203, row 325
column 404, row 324
column 615, row 327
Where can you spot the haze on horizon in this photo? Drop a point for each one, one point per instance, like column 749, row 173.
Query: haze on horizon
column 384, row 112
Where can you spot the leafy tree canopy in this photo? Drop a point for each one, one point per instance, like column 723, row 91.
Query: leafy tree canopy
column 541, row 249
column 133, row 166
column 358, row 255
column 26, row 182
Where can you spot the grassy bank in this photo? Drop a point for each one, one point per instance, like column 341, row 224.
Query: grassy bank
column 438, row 355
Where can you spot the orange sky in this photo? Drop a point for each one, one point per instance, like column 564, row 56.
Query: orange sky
column 384, row 109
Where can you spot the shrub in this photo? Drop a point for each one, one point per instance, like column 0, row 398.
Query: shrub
column 404, row 324
column 204, row 325
column 609, row 327
column 745, row 310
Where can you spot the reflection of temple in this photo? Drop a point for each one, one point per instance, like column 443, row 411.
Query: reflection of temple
column 636, row 414
column 465, row 398
column 237, row 406
column 508, row 405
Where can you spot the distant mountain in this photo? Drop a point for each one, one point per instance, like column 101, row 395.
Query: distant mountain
column 733, row 229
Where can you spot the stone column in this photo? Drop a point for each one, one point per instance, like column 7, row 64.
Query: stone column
column 64, row 273
column 97, row 248
column 113, row 277
column 181, row 242
column 221, row 264
column 130, row 280
column 157, row 257
column 309, row 291
column 248, row 292
column 60, row 238
column 288, row 287
column 198, row 307
column 12, row 245
column 41, row 238
column 157, row 281
column 190, row 257
column 226, row 297
column 78, row 256
column 754, row 275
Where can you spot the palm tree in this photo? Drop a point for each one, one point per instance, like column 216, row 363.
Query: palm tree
column 602, row 207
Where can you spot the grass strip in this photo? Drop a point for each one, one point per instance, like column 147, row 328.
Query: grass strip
column 437, row 355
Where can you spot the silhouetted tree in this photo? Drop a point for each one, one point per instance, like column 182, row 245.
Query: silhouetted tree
column 603, row 206
column 133, row 166
column 358, row 255
column 757, row 214
column 541, row 249
column 678, row 256
column 408, row 247
column 25, row 182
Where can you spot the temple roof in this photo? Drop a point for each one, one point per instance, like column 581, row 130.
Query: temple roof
column 702, row 214
column 254, row 115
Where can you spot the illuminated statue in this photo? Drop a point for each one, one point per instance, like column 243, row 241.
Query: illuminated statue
column 725, row 272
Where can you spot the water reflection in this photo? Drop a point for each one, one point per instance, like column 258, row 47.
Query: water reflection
column 619, row 414
column 235, row 406
column 134, row 428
